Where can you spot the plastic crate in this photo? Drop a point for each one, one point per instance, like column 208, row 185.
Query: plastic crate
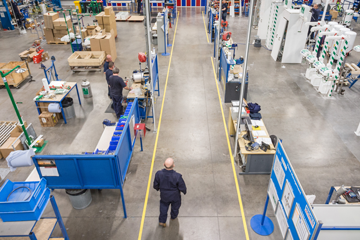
column 33, row 215
column 16, row 200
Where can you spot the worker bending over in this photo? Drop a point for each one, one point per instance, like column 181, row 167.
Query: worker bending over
column 170, row 184
column 116, row 87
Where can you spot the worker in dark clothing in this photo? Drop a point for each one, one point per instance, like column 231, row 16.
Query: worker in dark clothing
column 108, row 73
column 106, row 64
column 321, row 46
column 17, row 13
column 314, row 18
column 138, row 6
column 170, row 184
column 224, row 7
column 116, row 87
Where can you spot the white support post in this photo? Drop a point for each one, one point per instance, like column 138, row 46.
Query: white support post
column 148, row 34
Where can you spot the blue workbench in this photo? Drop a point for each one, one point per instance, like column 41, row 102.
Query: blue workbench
column 99, row 169
column 59, row 98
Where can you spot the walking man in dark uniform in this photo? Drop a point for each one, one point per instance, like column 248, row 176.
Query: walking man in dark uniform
column 224, row 7
column 17, row 13
column 116, row 87
column 170, row 184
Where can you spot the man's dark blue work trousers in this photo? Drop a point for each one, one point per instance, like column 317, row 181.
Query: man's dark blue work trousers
column 164, row 207
column 117, row 104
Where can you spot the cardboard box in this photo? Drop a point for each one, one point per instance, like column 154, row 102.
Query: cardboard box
column 28, row 55
column 334, row 14
column 48, row 119
column 60, row 24
column 99, row 17
column 17, row 130
column 40, row 142
column 91, row 30
column 95, row 43
column 84, row 33
column 6, row 148
column 49, row 35
column 108, row 10
column 108, row 19
column 49, row 18
column 108, row 45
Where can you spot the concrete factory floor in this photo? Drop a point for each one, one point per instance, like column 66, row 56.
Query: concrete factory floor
column 317, row 133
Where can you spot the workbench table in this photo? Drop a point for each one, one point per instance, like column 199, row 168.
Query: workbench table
column 256, row 161
column 332, row 189
column 144, row 102
column 59, row 98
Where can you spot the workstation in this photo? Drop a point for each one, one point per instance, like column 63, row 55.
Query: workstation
column 227, row 105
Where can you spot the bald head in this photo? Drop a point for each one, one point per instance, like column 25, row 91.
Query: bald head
column 169, row 164
column 315, row 6
column 108, row 58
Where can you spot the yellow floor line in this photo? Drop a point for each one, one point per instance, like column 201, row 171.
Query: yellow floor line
column 232, row 159
column 156, row 140
column 205, row 27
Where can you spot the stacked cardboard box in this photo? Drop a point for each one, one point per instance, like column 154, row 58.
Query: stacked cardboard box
column 104, row 42
column 7, row 148
column 48, row 119
column 55, row 27
column 106, row 20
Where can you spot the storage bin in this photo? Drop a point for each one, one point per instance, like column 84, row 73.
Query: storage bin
column 33, row 215
column 16, row 202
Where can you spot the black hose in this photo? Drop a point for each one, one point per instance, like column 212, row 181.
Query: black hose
column 30, row 192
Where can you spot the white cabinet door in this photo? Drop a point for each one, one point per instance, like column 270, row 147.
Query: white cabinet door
column 278, row 38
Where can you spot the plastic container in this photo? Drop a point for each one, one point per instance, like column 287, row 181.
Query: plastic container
column 79, row 198
column 77, row 6
column 68, row 107
column 16, row 202
column 33, row 215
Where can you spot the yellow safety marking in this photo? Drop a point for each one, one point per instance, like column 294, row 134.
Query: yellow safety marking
column 232, row 159
column 205, row 27
column 156, row 140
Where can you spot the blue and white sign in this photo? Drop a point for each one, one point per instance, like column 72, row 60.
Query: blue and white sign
column 289, row 200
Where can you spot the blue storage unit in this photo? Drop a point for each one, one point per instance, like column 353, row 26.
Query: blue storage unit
column 20, row 196
column 33, row 215
column 77, row 45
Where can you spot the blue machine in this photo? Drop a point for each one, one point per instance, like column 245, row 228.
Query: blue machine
column 5, row 16
column 50, row 73
column 97, row 170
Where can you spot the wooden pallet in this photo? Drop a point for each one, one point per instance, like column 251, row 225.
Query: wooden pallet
column 87, row 68
column 136, row 19
column 57, row 42
column 122, row 20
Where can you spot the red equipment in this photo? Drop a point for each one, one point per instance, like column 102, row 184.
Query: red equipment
column 224, row 24
column 142, row 57
column 226, row 36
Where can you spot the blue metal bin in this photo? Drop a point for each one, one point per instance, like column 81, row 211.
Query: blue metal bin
column 20, row 196
column 33, row 215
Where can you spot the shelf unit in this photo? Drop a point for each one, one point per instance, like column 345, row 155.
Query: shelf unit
column 34, row 230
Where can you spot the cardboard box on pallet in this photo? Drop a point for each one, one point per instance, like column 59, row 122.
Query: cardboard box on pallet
column 108, row 19
column 59, row 24
column 108, row 10
column 17, row 130
column 6, row 148
column 107, row 44
column 49, row 18
column 99, row 18
column 49, row 34
column 28, row 54
column 48, row 119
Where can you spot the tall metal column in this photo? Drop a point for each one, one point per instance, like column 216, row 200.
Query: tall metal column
column 218, row 39
column 148, row 40
column 244, row 75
